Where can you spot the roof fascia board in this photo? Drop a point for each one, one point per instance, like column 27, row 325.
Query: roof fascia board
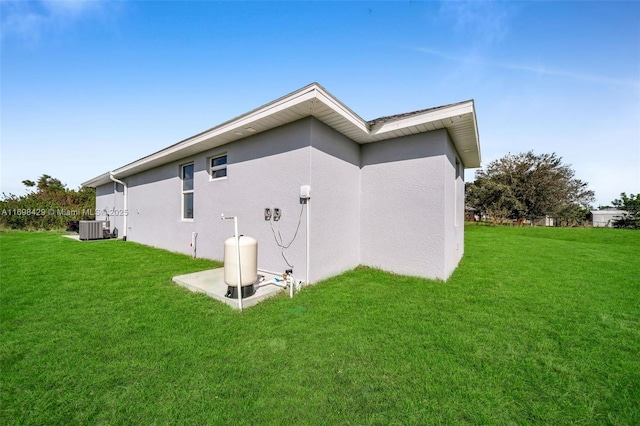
column 477, row 136
column 286, row 104
column 313, row 92
column 427, row 117
column 333, row 103
column 97, row 181
column 307, row 93
column 242, row 121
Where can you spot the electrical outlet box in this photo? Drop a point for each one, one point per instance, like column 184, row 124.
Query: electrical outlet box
column 277, row 213
column 267, row 214
column 305, row 192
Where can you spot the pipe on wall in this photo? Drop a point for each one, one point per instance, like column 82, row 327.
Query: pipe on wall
column 238, row 269
column 308, row 228
column 194, row 240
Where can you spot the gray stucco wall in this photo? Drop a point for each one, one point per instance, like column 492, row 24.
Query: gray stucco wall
column 391, row 204
column 335, row 202
column 403, row 204
column 265, row 170
column 453, row 209
column 110, row 205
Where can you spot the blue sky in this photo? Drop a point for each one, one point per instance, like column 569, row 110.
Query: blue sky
column 87, row 87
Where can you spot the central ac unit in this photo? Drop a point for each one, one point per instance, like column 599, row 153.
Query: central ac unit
column 93, row 229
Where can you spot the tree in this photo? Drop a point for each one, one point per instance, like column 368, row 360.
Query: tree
column 51, row 206
column 631, row 205
column 527, row 185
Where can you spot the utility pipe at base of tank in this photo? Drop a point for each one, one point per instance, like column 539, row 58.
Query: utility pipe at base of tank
column 278, row 282
column 238, row 276
column 281, row 280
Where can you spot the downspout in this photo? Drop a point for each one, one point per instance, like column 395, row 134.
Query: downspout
column 308, row 230
column 126, row 204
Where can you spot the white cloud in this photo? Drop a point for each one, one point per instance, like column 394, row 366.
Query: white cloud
column 20, row 19
column 540, row 70
column 571, row 75
column 484, row 21
column 30, row 19
column 70, row 7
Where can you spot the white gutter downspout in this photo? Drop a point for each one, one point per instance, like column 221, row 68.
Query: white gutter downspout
column 126, row 204
column 308, row 229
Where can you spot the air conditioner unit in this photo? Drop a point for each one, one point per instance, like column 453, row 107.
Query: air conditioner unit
column 93, row 229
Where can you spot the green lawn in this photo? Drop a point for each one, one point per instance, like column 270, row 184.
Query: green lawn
column 536, row 326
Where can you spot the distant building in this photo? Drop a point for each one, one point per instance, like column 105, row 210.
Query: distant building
column 544, row 221
column 605, row 218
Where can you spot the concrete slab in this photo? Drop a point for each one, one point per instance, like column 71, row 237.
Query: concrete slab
column 76, row 237
column 212, row 283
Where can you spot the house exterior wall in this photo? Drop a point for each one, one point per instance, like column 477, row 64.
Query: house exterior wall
column 403, row 204
column 265, row 170
column 335, row 202
column 396, row 205
column 154, row 209
column 110, row 205
column 453, row 208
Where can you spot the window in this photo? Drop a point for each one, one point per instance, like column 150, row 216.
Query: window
column 218, row 167
column 186, row 174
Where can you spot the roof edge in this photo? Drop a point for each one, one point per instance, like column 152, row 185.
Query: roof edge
column 370, row 131
column 98, row 180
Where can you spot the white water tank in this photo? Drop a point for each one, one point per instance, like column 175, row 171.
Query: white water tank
column 248, row 261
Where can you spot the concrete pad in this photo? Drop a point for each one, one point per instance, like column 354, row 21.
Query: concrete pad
column 76, row 237
column 212, row 284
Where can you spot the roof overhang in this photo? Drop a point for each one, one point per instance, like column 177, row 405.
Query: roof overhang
column 313, row 100
column 98, row 180
column 610, row 212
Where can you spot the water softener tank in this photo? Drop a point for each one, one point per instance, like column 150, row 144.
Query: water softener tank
column 248, row 265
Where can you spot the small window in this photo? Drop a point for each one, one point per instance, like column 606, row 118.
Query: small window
column 186, row 175
column 218, row 167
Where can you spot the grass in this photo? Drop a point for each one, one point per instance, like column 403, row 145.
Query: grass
column 537, row 325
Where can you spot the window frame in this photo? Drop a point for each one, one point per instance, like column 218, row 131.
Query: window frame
column 184, row 192
column 213, row 169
